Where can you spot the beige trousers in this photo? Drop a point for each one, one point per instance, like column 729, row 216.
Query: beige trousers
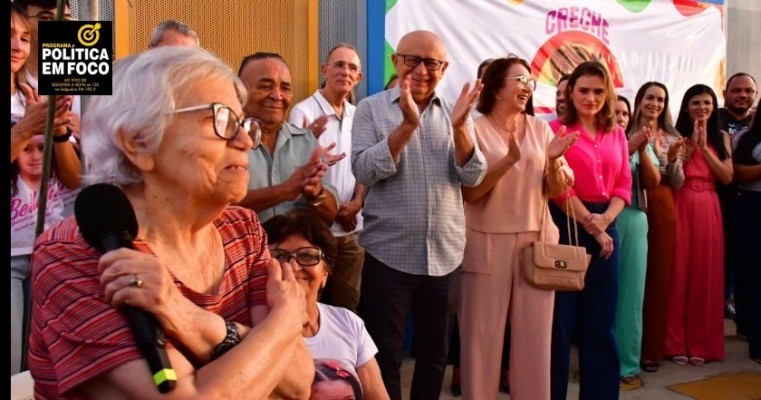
column 493, row 289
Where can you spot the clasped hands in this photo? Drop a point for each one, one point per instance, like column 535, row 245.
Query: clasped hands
column 675, row 150
column 638, row 141
column 699, row 134
column 460, row 111
column 305, row 180
column 596, row 225
column 36, row 112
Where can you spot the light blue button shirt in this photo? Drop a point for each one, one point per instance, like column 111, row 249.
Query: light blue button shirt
column 414, row 218
column 293, row 148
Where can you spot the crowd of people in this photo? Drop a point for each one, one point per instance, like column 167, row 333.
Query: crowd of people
column 281, row 248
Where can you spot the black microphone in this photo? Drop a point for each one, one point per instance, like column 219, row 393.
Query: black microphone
column 107, row 222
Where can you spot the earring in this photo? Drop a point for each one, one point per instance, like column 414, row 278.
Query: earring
column 499, row 98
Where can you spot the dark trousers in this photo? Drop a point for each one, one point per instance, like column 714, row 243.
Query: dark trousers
column 747, row 221
column 388, row 296
column 592, row 311
column 727, row 195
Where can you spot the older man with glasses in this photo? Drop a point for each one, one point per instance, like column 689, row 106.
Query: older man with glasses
column 328, row 113
column 414, row 151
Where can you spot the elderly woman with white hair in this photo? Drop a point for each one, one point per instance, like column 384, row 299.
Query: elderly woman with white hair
column 171, row 137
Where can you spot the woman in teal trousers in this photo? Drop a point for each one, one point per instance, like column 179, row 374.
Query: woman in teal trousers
column 632, row 236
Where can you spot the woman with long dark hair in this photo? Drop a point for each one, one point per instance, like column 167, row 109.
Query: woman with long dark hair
column 600, row 163
column 695, row 325
column 652, row 115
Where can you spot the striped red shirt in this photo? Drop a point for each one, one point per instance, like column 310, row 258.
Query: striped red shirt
column 76, row 335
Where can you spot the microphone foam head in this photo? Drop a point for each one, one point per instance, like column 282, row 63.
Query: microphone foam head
column 103, row 208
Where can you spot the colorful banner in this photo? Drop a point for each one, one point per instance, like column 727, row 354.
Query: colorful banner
column 679, row 42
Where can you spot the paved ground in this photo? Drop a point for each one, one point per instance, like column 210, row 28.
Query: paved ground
column 656, row 384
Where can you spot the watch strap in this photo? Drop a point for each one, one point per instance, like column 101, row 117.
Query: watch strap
column 232, row 338
column 63, row 138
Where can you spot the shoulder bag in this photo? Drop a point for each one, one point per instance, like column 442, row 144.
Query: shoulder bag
column 552, row 266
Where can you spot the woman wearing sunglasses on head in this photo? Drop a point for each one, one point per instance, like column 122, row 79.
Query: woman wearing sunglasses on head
column 504, row 214
column 333, row 334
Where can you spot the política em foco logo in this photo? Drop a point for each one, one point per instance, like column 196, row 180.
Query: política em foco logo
column 75, row 57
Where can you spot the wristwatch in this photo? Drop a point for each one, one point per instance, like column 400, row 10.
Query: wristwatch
column 232, row 338
column 63, row 138
column 319, row 199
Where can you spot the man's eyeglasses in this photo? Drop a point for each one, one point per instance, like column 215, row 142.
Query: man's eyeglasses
column 430, row 64
column 305, row 256
column 527, row 82
column 48, row 16
column 227, row 123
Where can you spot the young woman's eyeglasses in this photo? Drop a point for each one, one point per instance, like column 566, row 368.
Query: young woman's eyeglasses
column 430, row 64
column 227, row 123
column 305, row 256
column 527, row 82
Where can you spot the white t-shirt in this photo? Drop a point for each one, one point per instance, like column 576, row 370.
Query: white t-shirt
column 18, row 107
column 24, row 213
column 338, row 131
column 342, row 336
column 18, row 110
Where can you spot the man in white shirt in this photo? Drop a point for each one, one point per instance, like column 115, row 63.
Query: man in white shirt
column 329, row 115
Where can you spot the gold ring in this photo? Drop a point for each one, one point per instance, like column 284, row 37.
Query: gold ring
column 135, row 282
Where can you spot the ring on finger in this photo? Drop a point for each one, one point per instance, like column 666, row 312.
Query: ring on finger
column 135, row 282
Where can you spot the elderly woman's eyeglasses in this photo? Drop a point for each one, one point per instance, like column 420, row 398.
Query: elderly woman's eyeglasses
column 227, row 123
column 305, row 256
column 430, row 64
column 527, row 82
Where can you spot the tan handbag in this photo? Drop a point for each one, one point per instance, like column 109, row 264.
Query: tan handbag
column 552, row 266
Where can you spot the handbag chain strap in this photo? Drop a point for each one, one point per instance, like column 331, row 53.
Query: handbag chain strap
column 570, row 216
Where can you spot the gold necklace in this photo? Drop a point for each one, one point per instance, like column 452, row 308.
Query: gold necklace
column 494, row 123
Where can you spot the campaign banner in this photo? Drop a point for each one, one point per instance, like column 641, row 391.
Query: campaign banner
column 75, row 58
column 677, row 42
